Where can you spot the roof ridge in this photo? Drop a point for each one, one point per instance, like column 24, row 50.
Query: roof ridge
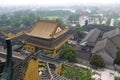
column 99, row 43
column 106, row 49
column 108, row 53
column 46, row 20
column 106, row 39
column 53, row 33
column 91, row 32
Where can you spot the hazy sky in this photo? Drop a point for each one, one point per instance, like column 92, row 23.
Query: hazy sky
column 56, row 2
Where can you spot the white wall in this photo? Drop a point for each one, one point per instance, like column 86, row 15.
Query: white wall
column 82, row 20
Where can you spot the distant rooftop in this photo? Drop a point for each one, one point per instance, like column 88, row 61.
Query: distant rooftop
column 92, row 36
column 15, row 30
column 101, row 27
column 111, row 33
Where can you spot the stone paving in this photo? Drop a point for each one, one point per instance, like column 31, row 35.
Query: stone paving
column 106, row 74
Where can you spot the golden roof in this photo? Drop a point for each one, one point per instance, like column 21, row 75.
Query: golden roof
column 47, row 29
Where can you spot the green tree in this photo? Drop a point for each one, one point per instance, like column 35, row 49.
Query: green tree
column 86, row 22
column 117, row 60
column 15, row 22
column 97, row 61
column 117, row 23
column 3, row 17
column 68, row 53
column 77, row 73
column 79, row 33
column 61, row 22
column 116, row 78
column 108, row 21
column 73, row 17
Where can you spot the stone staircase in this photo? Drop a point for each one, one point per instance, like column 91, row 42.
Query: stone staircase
column 19, row 72
column 45, row 75
column 57, row 77
column 49, row 74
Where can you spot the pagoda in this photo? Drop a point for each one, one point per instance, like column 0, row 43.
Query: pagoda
column 46, row 35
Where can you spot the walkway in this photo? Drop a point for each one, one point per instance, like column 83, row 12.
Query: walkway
column 105, row 74
column 15, row 55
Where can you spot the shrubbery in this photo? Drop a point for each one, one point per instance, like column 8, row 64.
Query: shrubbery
column 97, row 61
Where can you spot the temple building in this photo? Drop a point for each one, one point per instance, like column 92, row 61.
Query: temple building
column 46, row 35
column 91, row 37
column 107, row 50
column 114, row 35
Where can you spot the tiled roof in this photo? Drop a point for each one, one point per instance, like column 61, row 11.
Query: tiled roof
column 111, row 33
column 107, row 45
column 15, row 30
column 46, row 29
column 92, row 36
column 101, row 27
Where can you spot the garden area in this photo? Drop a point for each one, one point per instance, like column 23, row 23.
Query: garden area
column 77, row 73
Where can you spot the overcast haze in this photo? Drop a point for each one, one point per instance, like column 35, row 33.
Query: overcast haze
column 56, row 2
